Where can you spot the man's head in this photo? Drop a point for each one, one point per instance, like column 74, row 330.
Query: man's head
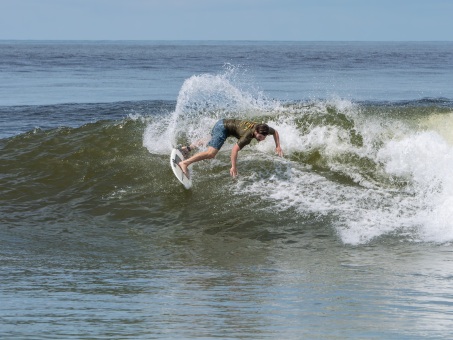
column 261, row 131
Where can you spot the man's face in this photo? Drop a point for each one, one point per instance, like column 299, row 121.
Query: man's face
column 259, row 136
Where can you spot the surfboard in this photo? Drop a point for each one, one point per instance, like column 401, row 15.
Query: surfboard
column 176, row 157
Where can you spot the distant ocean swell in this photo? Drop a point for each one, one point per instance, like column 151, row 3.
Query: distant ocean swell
column 363, row 171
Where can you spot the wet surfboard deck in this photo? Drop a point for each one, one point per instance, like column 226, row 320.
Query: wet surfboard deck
column 176, row 157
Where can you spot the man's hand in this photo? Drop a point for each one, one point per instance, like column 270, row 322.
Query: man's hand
column 234, row 172
column 279, row 151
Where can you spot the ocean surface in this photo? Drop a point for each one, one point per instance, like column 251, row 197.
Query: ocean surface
column 348, row 236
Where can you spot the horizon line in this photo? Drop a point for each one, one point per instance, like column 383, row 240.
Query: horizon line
column 216, row 40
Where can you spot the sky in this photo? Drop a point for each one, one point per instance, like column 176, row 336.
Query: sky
column 273, row 20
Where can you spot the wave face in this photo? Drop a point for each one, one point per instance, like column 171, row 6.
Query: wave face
column 363, row 172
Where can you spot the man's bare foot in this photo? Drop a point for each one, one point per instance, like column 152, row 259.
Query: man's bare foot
column 184, row 168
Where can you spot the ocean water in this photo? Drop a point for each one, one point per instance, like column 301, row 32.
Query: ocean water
column 348, row 236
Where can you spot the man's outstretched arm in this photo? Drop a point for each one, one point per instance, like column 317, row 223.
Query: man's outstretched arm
column 278, row 149
column 234, row 158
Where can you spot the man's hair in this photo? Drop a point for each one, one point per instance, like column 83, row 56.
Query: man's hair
column 262, row 129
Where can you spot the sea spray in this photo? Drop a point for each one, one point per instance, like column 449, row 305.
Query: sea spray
column 202, row 100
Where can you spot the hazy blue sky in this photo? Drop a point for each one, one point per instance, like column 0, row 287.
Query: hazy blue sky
column 227, row 19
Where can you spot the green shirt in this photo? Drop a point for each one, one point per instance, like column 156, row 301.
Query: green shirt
column 243, row 130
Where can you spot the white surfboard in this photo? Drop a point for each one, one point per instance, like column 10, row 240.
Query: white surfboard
column 176, row 157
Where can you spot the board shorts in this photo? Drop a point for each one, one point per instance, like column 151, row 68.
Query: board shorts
column 219, row 134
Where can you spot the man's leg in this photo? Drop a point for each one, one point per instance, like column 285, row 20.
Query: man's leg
column 208, row 154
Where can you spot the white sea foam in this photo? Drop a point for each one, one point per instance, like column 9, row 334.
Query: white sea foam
column 426, row 160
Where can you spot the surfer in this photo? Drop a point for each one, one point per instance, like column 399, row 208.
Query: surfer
column 244, row 131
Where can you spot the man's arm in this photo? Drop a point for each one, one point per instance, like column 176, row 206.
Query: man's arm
column 234, row 158
column 278, row 149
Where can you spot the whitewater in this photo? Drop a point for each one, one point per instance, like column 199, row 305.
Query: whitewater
column 372, row 174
